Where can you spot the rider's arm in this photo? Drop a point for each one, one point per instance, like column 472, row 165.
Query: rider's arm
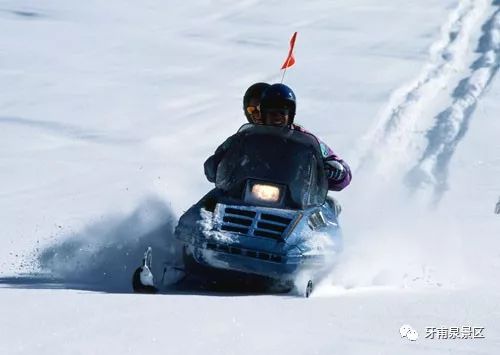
column 339, row 184
column 213, row 161
column 329, row 155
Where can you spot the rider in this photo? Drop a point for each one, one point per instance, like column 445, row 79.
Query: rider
column 277, row 108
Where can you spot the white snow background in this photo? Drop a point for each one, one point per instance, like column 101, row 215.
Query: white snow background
column 108, row 110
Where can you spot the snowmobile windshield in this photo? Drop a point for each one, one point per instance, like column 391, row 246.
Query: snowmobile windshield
column 273, row 166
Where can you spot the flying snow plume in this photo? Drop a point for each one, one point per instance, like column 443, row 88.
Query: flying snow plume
column 399, row 243
column 104, row 255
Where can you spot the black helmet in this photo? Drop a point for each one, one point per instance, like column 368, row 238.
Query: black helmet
column 279, row 96
column 254, row 91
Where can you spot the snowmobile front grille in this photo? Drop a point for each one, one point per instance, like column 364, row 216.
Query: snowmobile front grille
column 274, row 218
column 236, row 220
column 256, row 221
column 246, row 213
column 245, row 252
column 234, row 229
column 280, row 228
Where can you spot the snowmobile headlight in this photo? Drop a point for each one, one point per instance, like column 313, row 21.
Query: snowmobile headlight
column 264, row 193
column 267, row 193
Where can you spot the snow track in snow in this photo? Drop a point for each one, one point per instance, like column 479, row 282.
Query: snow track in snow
column 452, row 123
column 419, row 129
column 398, row 118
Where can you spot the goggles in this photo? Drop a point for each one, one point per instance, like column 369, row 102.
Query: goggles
column 252, row 109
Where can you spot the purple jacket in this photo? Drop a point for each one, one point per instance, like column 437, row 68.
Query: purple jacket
column 213, row 161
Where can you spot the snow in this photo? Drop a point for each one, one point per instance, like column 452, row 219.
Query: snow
column 108, row 110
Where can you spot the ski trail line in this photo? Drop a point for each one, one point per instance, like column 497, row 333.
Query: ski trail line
column 452, row 123
column 395, row 129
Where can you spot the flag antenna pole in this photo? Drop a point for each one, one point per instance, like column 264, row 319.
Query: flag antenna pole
column 283, row 76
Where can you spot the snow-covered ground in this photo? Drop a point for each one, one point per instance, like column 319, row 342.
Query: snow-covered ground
column 108, row 110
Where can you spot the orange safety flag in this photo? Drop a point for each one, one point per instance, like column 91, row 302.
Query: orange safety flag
column 290, row 60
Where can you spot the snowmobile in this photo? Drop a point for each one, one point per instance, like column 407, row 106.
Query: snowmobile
column 269, row 217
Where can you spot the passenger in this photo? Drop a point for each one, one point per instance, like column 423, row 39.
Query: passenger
column 251, row 102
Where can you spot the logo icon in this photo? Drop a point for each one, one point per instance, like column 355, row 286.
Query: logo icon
column 408, row 332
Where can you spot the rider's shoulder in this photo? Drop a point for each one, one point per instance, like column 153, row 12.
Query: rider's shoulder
column 325, row 150
column 301, row 129
column 297, row 127
column 246, row 127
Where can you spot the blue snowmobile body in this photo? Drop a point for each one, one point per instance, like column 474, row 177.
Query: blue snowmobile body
column 269, row 215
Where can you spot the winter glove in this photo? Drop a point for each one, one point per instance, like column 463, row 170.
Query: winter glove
column 334, row 170
column 210, row 168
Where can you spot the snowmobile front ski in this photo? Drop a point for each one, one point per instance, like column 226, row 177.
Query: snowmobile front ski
column 143, row 280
